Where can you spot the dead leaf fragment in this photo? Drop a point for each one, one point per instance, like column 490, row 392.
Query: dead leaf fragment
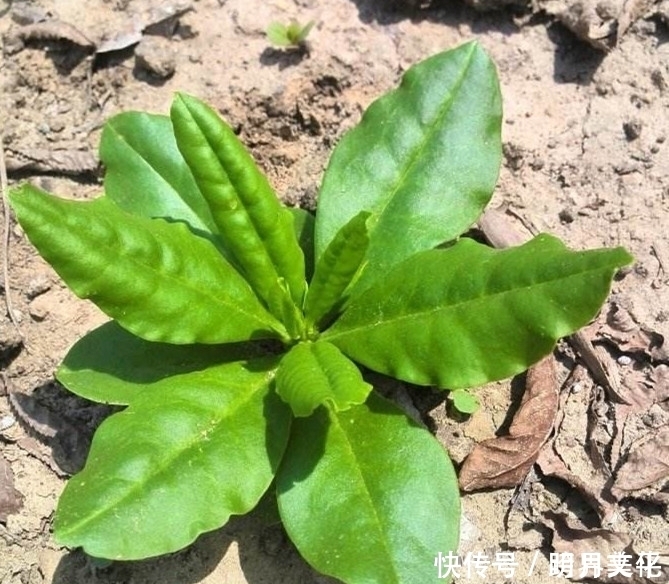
column 647, row 465
column 504, row 461
column 54, row 30
column 569, row 538
column 11, row 500
column 63, row 161
column 69, row 444
column 552, row 465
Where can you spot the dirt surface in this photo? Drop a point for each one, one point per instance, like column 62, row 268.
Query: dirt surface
column 586, row 91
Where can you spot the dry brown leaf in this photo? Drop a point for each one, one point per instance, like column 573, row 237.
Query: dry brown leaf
column 11, row 500
column 63, row 161
column 584, row 20
column 504, row 461
column 552, row 465
column 647, row 466
column 54, row 30
column 660, row 379
column 569, row 538
column 629, row 336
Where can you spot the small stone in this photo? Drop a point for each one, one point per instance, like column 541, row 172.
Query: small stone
column 514, row 155
column 657, row 77
column 155, row 56
column 37, row 285
column 566, row 216
column 39, row 308
column 24, row 13
column 6, row 422
column 632, row 129
column 10, row 343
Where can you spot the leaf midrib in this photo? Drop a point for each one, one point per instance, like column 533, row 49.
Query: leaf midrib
column 367, row 492
column 224, row 301
column 168, row 462
column 422, row 144
column 421, row 314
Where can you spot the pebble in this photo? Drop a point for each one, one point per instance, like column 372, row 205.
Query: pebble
column 632, row 129
column 6, row 422
column 38, row 285
column 39, row 308
column 155, row 56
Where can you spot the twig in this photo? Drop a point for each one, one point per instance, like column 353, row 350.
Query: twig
column 5, row 241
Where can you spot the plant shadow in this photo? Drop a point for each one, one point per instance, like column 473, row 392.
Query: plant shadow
column 448, row 13
column 253, row 549
column 575, row 61
column 284, row 58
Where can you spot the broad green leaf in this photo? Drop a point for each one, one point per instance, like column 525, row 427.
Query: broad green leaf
column 468, row 314
column 146, row 174
column 303, row 223
column 255, row 226
column 176, row 464
column 424, row 160
column 318, row 373
column 368, row 496
column 340, row 263
column 111, row 365
column 157, row 279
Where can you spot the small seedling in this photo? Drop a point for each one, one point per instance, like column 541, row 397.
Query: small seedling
column 291, row 35
column 464, row 401
column 197, row 262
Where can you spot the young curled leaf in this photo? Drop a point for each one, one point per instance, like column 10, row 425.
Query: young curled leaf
column 318, row 373
column 304, row 231
column 254, row 224
column 157, row 279
column 341, row 261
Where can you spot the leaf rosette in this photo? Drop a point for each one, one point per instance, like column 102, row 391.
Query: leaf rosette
column 239, row 325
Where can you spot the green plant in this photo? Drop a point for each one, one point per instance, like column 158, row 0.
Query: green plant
column 464, row 401
column 237, row 375
column 292, row 35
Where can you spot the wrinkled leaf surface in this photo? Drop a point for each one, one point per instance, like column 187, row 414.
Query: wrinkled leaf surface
column 468, row 314
column 311, row 374
column 157, row 279
column 424, row 160
column 175, row 465
column 368, row 496
column 336, row 269
column 253, row 223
